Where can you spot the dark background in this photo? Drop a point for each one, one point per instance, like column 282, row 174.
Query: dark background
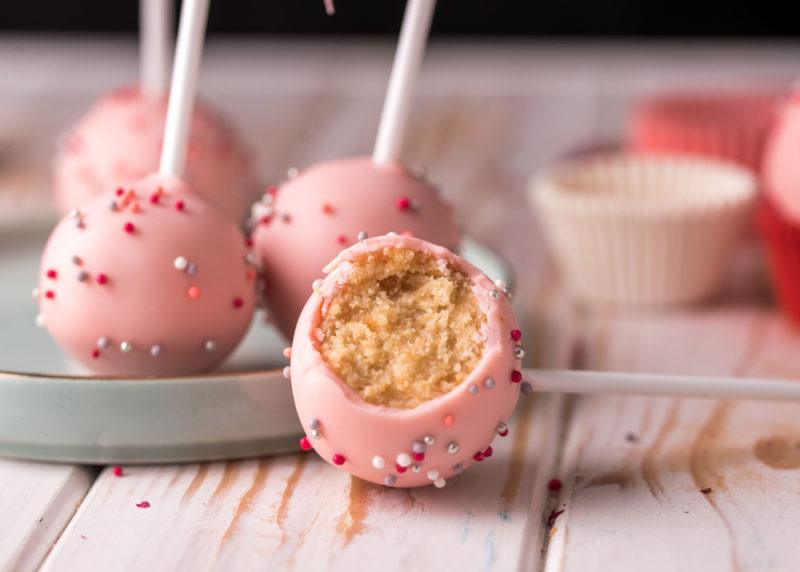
column 514, row 18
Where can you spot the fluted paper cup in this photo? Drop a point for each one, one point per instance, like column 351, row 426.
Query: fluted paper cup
column 643, row 230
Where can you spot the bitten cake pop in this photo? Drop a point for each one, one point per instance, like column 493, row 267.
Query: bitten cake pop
column 119, row 139
column 405, row 363
column 302, row 224
column 147, row 279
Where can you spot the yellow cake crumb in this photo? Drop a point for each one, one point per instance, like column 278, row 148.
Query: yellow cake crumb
column 403, row 329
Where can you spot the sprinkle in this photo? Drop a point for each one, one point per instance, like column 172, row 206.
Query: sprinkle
column 39, row 321
column 250, row 258
column 102, row 342
column 143, row 504
column 49, row 294
column 341, row 239
column 316, row 434
column 479, row 456
column 180, row 263
column 95, row 353
column 287, row 372
column 52, row 274
column 155, row 350
column 458, row 468
column 328, row 209
column 439, row 483
column 314, row 423
column 516, row 376
column 305, row 444
column 432, row 474
column 416, row 468
column 449, row 420
column 126, row 347
column 429, row 439
column 191, row 270
column 117, row 470
column 193, row 292
column 362, row 236
column 500, row 284
column 389, row 480
column 403, row 203
column 129, row 228
column 418, row 447
column 502, row 429
column 210, row 345
column 488, row 452
column 631, row 437
column 101, row 279
column 76, row 260
column 526, row 388
column 507, row 293
column 286, row 217
column 554, row 485
column 136, row 208
column 404, row 459
column 338, row 459
column 287, row 353
column 516, row 335
column 74, row 213
column 400, row 468
column 112, row 205
column 154, row 198
column 489, row 383
column 418, row 456
column 378, row 462
column 519, row 352
column 494, row 294
column 473, row 389
column 452, row 447
column 82, row 276
column 238, row 302
column 292, row 172
column 120, row 191
column 180, row 205
column 34, row 293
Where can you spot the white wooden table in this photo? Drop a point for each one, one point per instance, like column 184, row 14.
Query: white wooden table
column 648, row 483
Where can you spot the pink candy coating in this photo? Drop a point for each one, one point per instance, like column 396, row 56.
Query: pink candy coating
column 127, row 271
column 313, row 216
column 119, row 141
column 782, row 161
column 377, row 442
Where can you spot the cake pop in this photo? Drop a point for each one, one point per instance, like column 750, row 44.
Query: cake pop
column 119, row 139
column 405, row 363
column 148, row 278
column 303, row 223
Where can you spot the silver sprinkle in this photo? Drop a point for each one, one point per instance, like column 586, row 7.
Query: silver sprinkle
column 155, row 350
column 285, row 217
column 519, row 352
column 418, row 447
column 83, row 276
column 458, row 468
column 79, row 223
column 292, row 172
column 112, row 205
column 39, row 321
column 315, row 433
column 416, row 468
column 250, row 257
column 489, row 383
column 287, row 372
column 74, row 213
column 494, row 294
column 268, row 199
column 102, row 342
column 314, row 423
column 210, row 345
column 361, row 236
column 389, row 480
column 126, row 347
column 76, row 260
column 526, row 388
column 502, row 427
column 473, row 389
column 452, row 447
column 429, row 439
column 507, row 293
column 191, row 269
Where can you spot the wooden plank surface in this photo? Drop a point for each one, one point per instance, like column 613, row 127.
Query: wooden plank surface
column 37, row 501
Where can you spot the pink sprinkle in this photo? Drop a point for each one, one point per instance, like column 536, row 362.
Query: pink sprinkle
column 117, row 471
column 327, row 208
column 154, row 198
column 516, row 335
column 287, row 353
column 101, row 279
column 403, row 203
column 179, row 205
column 449, row 420
column 341, row 239
column 95, row 353
column 143, row 504
column 516, row 376
column 338, row 459
column 305, row 444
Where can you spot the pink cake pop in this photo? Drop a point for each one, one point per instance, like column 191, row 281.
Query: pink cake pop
column 302, row 224
column 147, row 280
column 119, row 141
column 782, row 161
column 406, row 447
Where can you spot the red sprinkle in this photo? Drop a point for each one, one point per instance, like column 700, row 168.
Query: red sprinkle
column 120, row 191
column 193, row 292
column 400, row 468
column 129, row 228
column 154, row 198
column 403, row 203
column 516, row 376
column 101, row 278
column 248, row 242
column 554, row 485
column 516, row 335
column 143, row 504
column 418, row 456
column 179, row 205
column 479, row 456
column 338, row 459
column 52, row 274
column 328, row 209
column 305, row 444
column 95, row 353
column 265, row 219
column 488, row 452
column 49, row 294
column 117, row 471
column 503, row 433
column 238, row 302
column 341, row 239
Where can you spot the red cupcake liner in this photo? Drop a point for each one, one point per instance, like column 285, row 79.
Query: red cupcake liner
column 725, row 126
column 781, row 239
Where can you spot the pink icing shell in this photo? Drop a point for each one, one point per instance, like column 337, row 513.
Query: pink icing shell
column 153, row 270
column 119, row 141
column 450, row 431
column 782, row 161
column 302, row 225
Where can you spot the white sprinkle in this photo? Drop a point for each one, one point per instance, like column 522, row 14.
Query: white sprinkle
column 433, row 474
column 180, row 263
column 316, row 433
column 439, row 483
column 452, row 447
column 391, row 234
column 34, row 292
column 267, row 200
column 74, row 213
column 287, row 372
column 210, row 345
column 39, row 320
column 292, row 172
column 418, row 447
column 250, row 258
column 378, row 462
column 126, row 347
column 155, row 350
column 500, row 284
column 102, row 342
column 404, row 459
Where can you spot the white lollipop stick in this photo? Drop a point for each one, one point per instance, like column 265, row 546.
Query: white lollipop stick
column 191, row 32
column 155, row 33
column 407, row 60
column 601, row 382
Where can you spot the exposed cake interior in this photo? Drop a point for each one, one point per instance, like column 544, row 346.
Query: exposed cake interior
column 404, row 328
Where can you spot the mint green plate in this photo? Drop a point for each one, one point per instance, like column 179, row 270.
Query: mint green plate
column 50, row 410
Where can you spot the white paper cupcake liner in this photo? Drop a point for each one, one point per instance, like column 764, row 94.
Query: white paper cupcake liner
column 643, row 230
